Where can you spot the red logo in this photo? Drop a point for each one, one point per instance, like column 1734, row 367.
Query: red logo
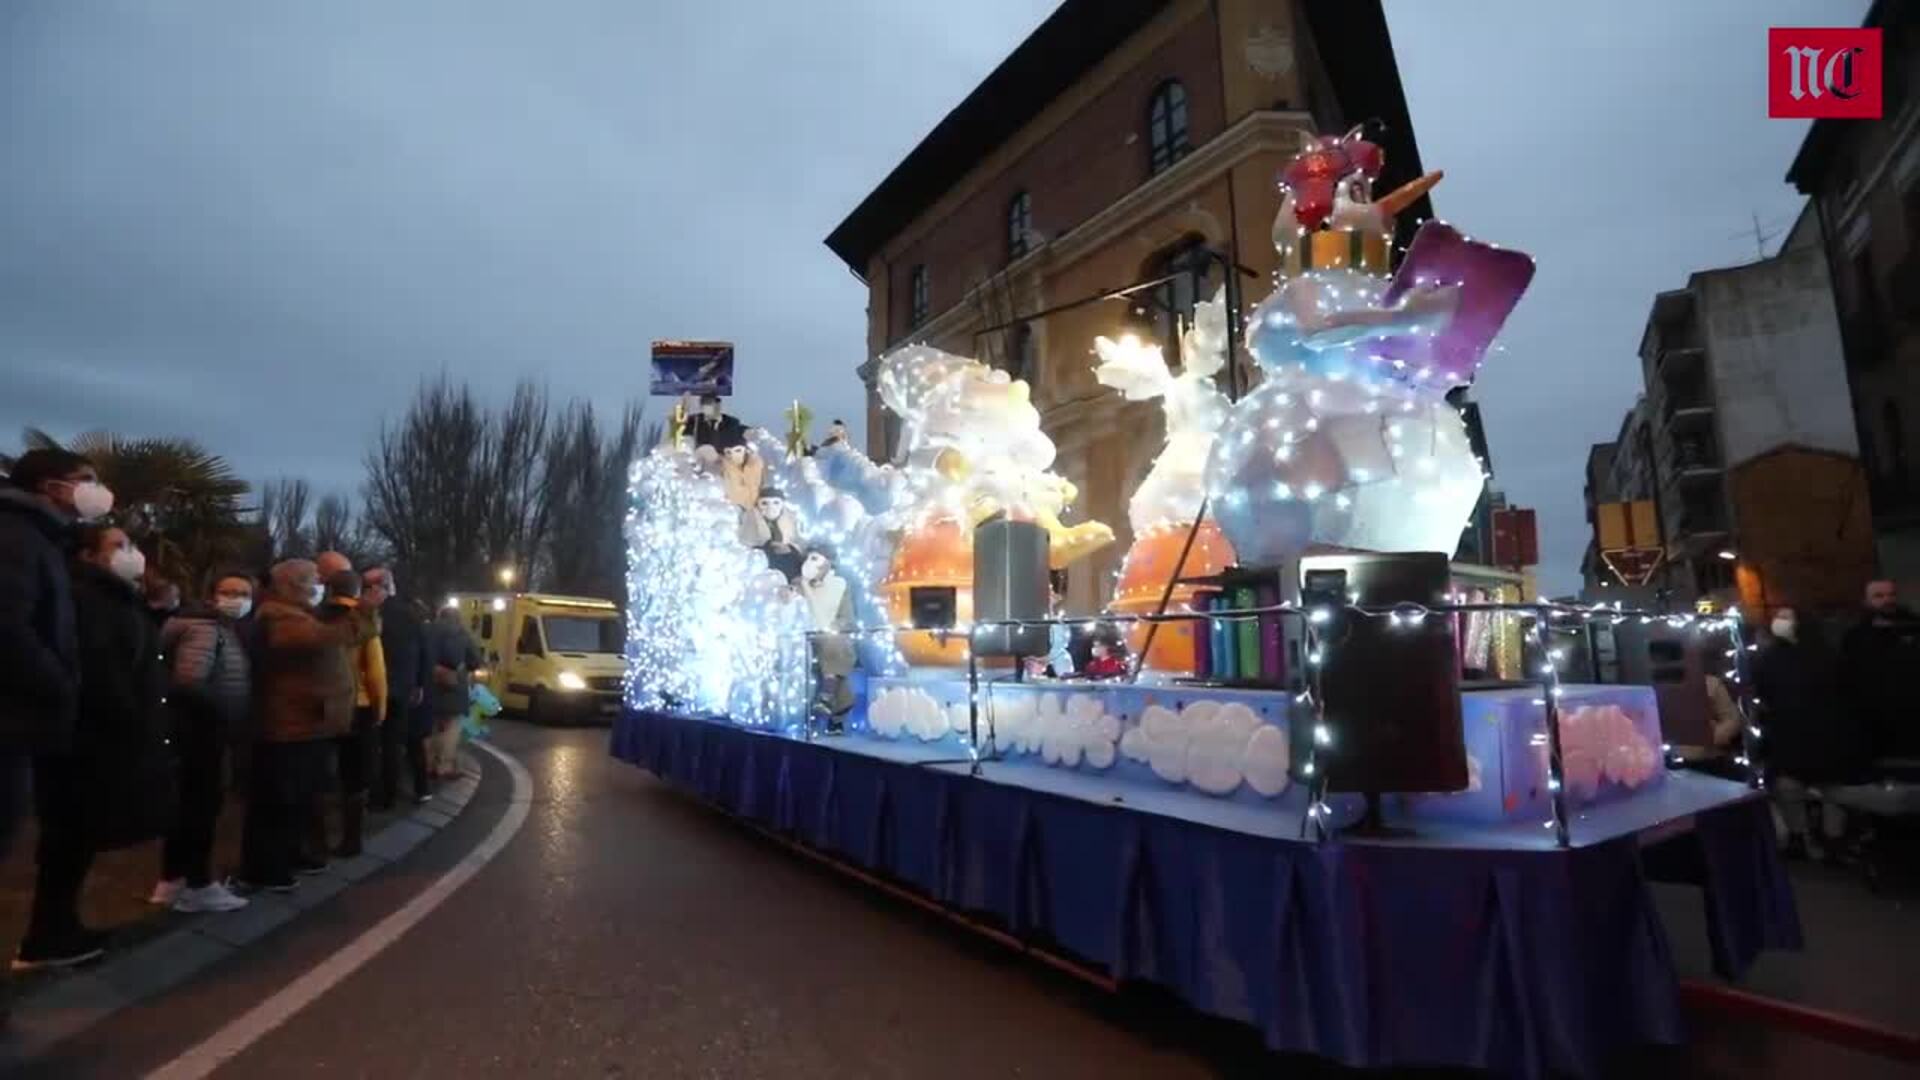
column 1820, row 74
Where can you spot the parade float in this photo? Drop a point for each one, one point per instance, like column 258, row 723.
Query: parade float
column 1169, row 825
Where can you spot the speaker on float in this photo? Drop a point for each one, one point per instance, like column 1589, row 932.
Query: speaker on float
column 1390, row 687
column 1673, row 661
column 1009, row 582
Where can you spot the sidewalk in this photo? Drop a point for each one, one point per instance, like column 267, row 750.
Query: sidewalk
column 154, row 949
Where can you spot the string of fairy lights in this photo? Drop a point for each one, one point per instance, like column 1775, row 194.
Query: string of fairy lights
column 1409, row 616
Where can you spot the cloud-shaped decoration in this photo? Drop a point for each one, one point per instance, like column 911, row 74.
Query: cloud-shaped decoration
column 1013, row 718
column 1213, row 746
column 903, row 711
column 1064, row 730
column 1473, row 773
column 1217, row 750
column 1269, row 757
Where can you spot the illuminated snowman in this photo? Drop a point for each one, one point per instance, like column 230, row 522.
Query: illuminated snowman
column 1349, row 441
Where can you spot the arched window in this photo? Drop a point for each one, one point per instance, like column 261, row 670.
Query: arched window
column 1167, row 126
column 1163, row 309
column 1019, row 226
column 917, row 297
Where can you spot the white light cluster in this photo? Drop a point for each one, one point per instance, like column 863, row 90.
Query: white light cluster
column 710, row 628
column 1336, row 446
column 971, row 445
column 837, row 520
column 1195, row 411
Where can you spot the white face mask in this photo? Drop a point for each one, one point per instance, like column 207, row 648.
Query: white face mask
column 128, row 564
column 91, row 500
column 1783, row 628
column 233, row 607
column 317, row 596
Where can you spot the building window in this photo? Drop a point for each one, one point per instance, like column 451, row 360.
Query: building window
column 1895, row 436
column 917, row 297
column 1026, row 354
column 1167, row 126
column 1019, row 226
column 889, row 437
column 1163, row 309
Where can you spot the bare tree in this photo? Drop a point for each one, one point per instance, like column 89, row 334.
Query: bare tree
column 283, row 514
column 425, row 489
column 587, row 485
column 455, row 493
column 515, row 482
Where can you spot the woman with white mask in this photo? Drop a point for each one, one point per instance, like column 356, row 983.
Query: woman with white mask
column 208, row 697
column 112, row 788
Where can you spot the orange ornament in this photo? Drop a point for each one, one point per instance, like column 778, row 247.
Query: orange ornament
column 1143, row 579
column 937, row 553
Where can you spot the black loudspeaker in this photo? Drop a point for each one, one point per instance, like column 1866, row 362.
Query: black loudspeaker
column 934, row 607
column 1670, row 660
column 1009, row 582
column 1390, row 685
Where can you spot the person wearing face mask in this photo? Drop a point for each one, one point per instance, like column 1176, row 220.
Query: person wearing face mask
column 46, row 492
column 209, row 692
column 353, row 752
column 304, row 693
column 112, row 788
column 403, row 644
column 1807, row 738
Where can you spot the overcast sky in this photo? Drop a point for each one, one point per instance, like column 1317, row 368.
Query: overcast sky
column 262, row 223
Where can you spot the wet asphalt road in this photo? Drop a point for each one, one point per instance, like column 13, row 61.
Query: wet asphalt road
column 629, row 932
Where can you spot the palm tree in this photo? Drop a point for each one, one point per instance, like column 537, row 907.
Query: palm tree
column 179, row 502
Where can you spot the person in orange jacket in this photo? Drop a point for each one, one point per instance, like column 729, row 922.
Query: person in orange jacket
column 353, row 751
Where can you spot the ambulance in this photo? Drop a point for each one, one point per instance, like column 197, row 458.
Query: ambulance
column 551, row 659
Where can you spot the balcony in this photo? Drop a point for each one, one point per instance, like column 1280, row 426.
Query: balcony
column 1681, row 361
column 1693, row 459
column 1686, row 412
column 1700, row 517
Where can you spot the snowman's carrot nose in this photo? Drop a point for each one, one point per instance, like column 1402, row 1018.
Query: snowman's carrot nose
column 1404, row 195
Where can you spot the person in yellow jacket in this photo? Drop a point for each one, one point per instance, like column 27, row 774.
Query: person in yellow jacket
column 354, row 750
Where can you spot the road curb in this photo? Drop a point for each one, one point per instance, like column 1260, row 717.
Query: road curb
column 70, row 1005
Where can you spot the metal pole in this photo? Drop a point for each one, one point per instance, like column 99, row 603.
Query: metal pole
column 973, row 703
column 1550, row 685
column 1315, row 771
column 1228, row 268
column 1749, row 731
column 1166, row 594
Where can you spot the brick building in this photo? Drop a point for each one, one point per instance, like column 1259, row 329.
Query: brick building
column 1121, row 136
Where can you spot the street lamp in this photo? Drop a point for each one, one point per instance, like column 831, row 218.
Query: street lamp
column 506, row 575
column 1729, row 554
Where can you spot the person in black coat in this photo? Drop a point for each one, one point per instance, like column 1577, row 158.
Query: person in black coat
column 112, row 787
column 403, row 638
column 1878, row 658
column 715, row 430
column 40, row 500
column 1808, row 738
